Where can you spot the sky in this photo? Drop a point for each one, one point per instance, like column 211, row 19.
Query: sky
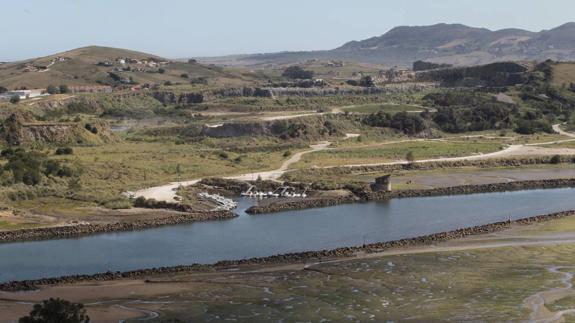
column 192, row 28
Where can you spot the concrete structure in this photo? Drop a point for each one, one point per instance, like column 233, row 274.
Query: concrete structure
column 382, row 184
column 22, row 94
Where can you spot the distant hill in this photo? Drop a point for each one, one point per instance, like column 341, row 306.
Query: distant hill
column 103, row 65
column 442, row 43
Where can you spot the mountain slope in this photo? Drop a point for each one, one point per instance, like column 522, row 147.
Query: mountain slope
column 103, row 65
column 443, row 43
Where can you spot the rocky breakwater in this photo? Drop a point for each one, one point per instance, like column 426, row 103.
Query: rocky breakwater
column 365, row 195
column 62, row 232
column 472, row 189
column 280, row 205
column 290, row 258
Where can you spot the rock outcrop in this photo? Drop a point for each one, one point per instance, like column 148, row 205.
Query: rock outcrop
column 23, row 129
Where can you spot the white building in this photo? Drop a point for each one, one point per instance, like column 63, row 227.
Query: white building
column 22, row 94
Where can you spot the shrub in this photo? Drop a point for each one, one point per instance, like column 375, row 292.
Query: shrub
column 366, row 81
column 15, row 99
column 556, row 159
column 56, row 310
column 223, row 155
column 64, row 151
column 64, row 88
column 296, row 72
column 410, row 157
column 51, row 89
column 119, row 203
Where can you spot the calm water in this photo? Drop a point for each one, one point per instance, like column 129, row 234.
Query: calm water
column 264, row 235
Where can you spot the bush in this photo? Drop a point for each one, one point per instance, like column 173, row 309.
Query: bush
column 28, row 166
column 91, row 128
column 408, row 123
column 223, row 155
column 64, row 151
column 119, row 203
column 161, row 71
column 15, row 99
column 51, row 89
column 366, row 81
column 296, row 72
column 410, row 157
column 64, row 88
column 556, row 159
column 56, row 310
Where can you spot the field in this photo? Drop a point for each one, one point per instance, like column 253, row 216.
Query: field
column 379, row 153
column 429, row 179
column 563, row 74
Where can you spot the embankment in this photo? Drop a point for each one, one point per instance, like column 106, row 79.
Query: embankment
column 87, row 229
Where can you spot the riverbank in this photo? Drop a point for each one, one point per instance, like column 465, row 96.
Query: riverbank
column 289, row 258
column 280, row 205
column 79, row 230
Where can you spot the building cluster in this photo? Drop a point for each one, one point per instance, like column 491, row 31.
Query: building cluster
column 30, row 67
column 395, row 76
column 23, row 94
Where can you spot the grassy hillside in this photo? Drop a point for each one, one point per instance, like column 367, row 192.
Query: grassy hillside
column 563, row 74
column 85, row 66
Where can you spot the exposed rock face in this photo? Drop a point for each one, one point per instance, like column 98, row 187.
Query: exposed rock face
column 23, row 129
column 183, row 99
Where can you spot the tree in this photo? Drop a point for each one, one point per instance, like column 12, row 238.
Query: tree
column 3, row 89
column 56, row 311
column 556, row 159
column 296, row 72
column 410, row 157
column 15, row 99
column 366, row 81
column 161, row 71
column 51, row 89
column 64, row 88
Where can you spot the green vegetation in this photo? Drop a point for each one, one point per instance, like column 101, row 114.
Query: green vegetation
column 29, row 167
column 296, row 72
column 396, row 152
column 56, row 310
column 409, row 124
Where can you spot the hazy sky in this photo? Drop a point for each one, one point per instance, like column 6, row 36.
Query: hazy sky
column 185, row 28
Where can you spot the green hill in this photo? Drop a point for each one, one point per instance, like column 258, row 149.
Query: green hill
column 109, row 66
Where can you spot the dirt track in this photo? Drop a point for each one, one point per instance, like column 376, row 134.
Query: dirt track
column 168, row 192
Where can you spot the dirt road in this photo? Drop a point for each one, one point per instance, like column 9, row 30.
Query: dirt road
column 168, row 192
